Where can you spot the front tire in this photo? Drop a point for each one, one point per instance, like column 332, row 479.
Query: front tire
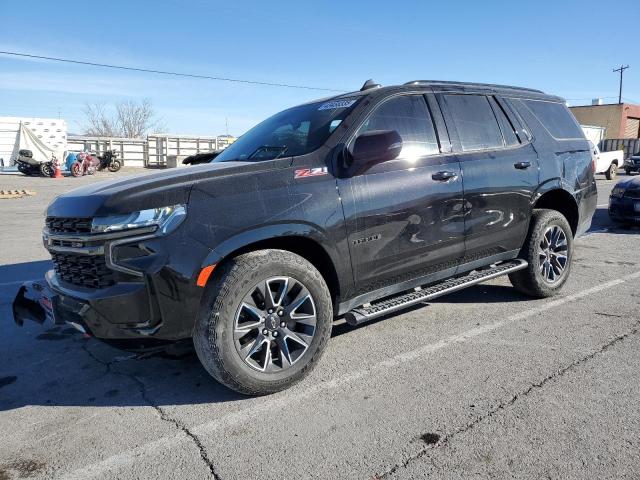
column 114, row 166
column 611, row 172
column 76, row 169
column 548, row 249
column 264, row 322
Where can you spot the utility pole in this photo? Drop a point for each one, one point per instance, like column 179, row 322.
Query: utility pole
column 621, row 70
column 226, row 125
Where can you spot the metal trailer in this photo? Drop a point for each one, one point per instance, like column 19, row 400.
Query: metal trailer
column 630, row 146
column 133, row 151
column 150, row 152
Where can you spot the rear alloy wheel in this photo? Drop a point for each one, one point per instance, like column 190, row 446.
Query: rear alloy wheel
column 548, row 249
column 46, row 169
column 611, row 172
column 553, row 254
column 264, row 322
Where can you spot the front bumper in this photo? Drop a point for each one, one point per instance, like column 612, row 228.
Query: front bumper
column 631, row 164
column 118, row 312
column 159, row 307
column 34, row 302
column 624, row 209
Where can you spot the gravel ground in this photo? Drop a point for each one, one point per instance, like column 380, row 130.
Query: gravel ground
column 482, row 383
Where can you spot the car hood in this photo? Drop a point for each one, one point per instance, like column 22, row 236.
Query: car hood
column 629, row 183
column 167, row 187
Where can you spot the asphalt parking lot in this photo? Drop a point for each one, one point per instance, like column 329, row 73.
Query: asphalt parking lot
column 481, row 383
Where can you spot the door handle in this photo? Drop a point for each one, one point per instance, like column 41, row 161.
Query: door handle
column 522, row 165
column 444, row 176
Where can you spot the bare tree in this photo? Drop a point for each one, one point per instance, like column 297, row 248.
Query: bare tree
column 98, row 122
column 131, row 119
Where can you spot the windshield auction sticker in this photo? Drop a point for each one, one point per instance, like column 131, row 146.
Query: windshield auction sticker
column 334, row 104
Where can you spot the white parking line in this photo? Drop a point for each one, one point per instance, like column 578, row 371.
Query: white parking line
column 275, row 403
column 17, row 282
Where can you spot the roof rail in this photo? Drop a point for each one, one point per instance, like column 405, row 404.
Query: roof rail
column 470, row 84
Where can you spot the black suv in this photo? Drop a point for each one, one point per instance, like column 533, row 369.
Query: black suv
column 355, row 206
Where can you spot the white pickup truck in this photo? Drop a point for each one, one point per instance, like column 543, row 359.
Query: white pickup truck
column 607, row 162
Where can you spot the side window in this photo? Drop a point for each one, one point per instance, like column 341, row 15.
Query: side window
column 508, row 132
column 474, row 119
column 410, row 117
column 556, row 118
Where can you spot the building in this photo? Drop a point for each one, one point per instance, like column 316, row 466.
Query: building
column 620, row 120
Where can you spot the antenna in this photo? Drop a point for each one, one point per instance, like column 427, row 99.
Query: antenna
column 369, row 84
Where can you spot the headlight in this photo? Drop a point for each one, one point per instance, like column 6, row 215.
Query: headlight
column 165, row 219
column 617, row 192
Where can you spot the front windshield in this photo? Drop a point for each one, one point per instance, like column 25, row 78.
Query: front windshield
column 296, row 131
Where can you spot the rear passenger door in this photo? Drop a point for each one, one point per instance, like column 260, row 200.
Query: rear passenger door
column 499, row 170
column 404, row 217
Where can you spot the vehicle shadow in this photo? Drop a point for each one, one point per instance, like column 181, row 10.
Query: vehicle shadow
column 602, row 223
column 12, row 276
column 57, row 365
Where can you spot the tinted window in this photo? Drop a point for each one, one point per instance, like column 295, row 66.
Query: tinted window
column 295, row 131
column 474, row 119
column 409, row 116
column 508, row 132
column 556, row 117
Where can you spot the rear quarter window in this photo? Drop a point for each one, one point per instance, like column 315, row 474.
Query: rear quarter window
column 556, row 118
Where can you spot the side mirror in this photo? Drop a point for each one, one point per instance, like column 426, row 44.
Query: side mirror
column 374, row 147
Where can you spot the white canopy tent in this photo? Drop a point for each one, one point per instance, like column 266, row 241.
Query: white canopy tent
column 43, row 136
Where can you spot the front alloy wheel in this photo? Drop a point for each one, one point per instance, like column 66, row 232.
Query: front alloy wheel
column 275, row 324
column 264, row 321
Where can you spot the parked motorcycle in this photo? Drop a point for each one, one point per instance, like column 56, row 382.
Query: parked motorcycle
column 110, row 161
column 85, row 164
column 30, row 166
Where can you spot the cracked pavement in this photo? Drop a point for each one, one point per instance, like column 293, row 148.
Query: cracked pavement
column 484, row 382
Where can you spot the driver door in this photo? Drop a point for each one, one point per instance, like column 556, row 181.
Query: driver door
column 404, row 217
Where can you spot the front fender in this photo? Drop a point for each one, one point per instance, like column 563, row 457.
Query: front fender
column 271, row 233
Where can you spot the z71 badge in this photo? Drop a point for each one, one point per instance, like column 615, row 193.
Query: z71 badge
column 310, row 172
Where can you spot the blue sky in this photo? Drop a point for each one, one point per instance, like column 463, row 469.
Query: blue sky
column 563, row 47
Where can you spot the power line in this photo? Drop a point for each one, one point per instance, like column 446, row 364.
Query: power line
column 164, row 72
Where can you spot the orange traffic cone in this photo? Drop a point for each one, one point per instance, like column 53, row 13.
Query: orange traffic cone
column 56, row 169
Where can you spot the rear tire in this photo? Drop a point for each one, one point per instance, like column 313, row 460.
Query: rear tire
column 46, row 169
column 627, row 171
column 611, row 172
column 234, row 320
column 548, row 249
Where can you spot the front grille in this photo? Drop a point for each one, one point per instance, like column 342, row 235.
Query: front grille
column 84, row 270
column 68, row 224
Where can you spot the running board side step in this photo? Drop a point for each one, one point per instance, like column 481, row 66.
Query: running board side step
column 422, row 294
